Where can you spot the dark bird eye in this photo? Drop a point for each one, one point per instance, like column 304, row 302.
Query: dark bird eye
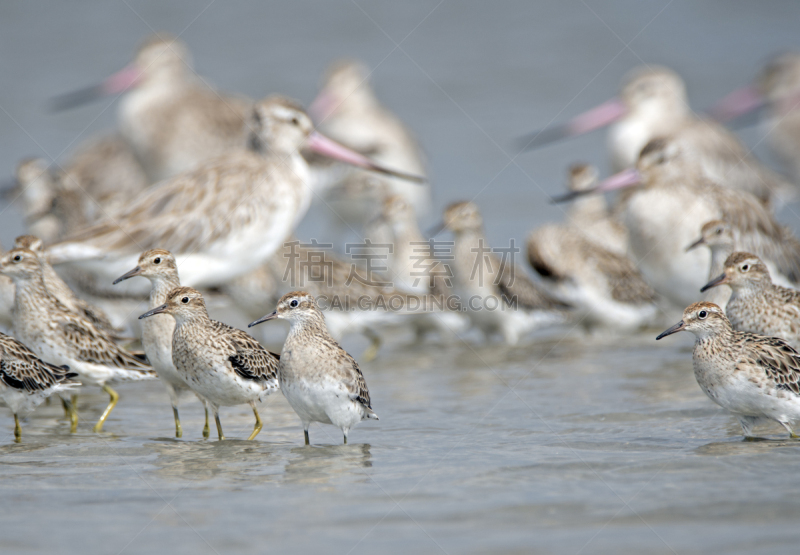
column 17, row 258
column 702, row 315
column 294, row 303
column 185, row 300
column 295, row 121
column 157, row 260
column 745, row 267
column 719, row 230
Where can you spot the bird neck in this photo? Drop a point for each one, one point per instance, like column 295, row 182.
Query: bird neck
column 310, row 324
column 161, row 287
column 195, row 319
column 31, row 295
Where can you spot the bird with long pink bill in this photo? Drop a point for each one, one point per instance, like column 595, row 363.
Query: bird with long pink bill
column 223, row 219
column 666, row 200
column 775, row 93
column 172, row 119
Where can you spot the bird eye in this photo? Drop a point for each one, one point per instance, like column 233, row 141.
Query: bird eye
column 157, row 260
column 17, row 258
column 745, row 267
column 185, row 300
column 702, row 314
column 294, row 303
column 295, row 121
column 719, row 230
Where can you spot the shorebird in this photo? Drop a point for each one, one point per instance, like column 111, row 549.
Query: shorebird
column 496, row 294
column 170, row 117
column 778, row 88
column 604, row 288
column 223, row 219
column 590, row 213
column 223, row 365
column 321, row 381
column 62, row 292
column 412, row 266
column 653, row 104
column 62, row 337
column 160, row 268
column 669, row 206
column 756, row 304
column 718, row 237
column 347, row 110
column 26, row 380
column 756, row 378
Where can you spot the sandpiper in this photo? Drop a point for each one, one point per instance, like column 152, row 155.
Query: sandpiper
column 347, row 110
column 718, row 237
column 26, row 380
column 37, row 189
column 603, row 287
column 496, row 294
column 171, row 118
column 62, row 292
column 223, row 365
column 754, row 377
column 62, row 337
column 666, row 211
column 237, row 208
column 159, row 267
column 756, row 304
column 321, row 381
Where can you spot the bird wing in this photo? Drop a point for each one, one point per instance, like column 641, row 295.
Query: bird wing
column 517, row 288
column 248, row 358
column 21, row 369
column 779, row 361
column 625, row 282
column 180, row 214
column 356, row 384
column 92, row 345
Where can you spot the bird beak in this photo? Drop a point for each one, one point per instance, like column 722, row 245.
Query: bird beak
column 270, row 316
column 436, row 230
column 621, row 180
column 696, row 244
column 599, row 116
column 120, row 82
column 738, row 103
column 157, row 310
column 137, row 271
column 680, row 326
column 719, row 280
column 323, row 145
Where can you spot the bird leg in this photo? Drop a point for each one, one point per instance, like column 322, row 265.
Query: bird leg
column 178, row 429
column 371, row 352
column 257, row 427
column 789, row 429
column 71, row 413
column 17, row 430
column 112, row 403
column 219, row 426
column 305, row 431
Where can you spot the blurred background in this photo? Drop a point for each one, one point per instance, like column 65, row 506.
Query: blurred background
column 467, row 77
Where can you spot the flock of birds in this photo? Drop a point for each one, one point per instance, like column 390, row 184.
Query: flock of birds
column 202, row 190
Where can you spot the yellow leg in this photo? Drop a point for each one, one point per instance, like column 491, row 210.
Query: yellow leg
column 219, row 427
column 17, row 430
column 178, row 429
column 72, row 413
column 65, row 404
column 371, row 352
column 112, row 403
column 257, row 427
column 206, row 428
column 305, row 432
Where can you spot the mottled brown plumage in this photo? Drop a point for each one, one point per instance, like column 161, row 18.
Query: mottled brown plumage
column 753, row 376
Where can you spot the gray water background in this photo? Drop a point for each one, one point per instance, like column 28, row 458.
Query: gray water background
column 571, row 444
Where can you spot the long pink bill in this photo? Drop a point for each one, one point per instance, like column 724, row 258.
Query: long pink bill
column 738, row 104
column 621, row 180
column 599, row 116
column 323, row 145
column 120, row 82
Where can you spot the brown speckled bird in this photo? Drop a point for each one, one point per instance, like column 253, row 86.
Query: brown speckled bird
column 757, row 305
column 756, row 378
column 222, row 364
column 321, row 381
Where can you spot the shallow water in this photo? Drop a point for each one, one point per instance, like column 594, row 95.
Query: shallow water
column 571, row 444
